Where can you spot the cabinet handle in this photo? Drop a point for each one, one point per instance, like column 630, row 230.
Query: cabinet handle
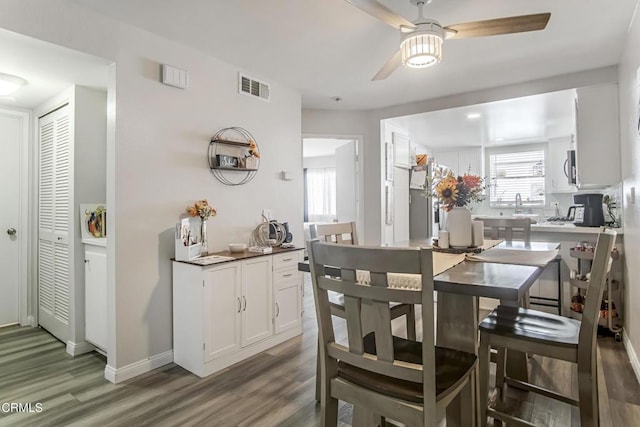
column 245, row 303
column 86, row 261
column 286, row 259
column 239, row 305
column 287, row 275
column 277, row 310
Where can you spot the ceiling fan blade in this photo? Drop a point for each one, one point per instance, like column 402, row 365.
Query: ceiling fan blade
column 494, row 27
column 378, row 10
column 389, row 67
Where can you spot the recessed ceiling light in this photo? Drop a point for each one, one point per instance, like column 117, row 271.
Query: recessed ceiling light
column 499, row 139
column 473, row 115
column 9, row 84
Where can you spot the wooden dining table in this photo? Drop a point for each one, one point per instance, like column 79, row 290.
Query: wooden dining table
column 460, row 281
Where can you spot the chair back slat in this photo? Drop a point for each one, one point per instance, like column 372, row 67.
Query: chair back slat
column 353, row 315
column 508, row 229
column 600, row 267
column 344, row 233
column 367, row 307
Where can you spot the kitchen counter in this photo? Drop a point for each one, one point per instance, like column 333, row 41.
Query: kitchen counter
column 554, row 227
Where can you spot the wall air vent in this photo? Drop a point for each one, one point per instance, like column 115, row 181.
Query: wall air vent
column 252, row 87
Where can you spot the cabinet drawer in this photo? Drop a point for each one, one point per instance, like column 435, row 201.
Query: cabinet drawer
column 286, row 275
column 286, row 260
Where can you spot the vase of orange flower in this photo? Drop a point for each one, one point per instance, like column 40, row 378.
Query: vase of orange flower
column 202, row 209
column 454, row 194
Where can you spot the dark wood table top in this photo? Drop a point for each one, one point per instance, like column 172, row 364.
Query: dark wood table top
column 482, row 279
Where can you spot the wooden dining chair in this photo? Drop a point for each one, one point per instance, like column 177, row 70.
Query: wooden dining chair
column 380, row 374
column 552, row 336
column 345, row 233
column 507, row 228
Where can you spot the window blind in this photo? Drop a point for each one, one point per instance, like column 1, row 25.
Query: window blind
column 517, row 172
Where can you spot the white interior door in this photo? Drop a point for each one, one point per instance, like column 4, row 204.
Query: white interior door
column 54, row 216
column 11, row 137
column 346, row 183
column 400, row 204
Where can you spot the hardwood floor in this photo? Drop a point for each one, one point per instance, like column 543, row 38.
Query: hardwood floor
column 274, row 388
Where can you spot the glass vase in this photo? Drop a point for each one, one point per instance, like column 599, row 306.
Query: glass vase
column 204, row 248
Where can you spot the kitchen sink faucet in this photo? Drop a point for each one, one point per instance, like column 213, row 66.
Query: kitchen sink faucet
column 518, row 203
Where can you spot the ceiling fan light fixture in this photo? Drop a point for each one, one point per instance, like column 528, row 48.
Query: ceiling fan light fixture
column 10, row 83
column 423, row 47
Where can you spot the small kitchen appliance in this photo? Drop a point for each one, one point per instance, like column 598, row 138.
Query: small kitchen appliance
column 587, row 210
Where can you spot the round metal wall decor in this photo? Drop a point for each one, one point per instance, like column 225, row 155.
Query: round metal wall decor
column 234, row 156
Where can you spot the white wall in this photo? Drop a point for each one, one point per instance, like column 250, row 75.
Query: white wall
column 319, row 162
column 630, row 160
column 156, row 160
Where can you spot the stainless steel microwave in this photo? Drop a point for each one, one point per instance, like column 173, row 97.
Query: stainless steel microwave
column 570, row 170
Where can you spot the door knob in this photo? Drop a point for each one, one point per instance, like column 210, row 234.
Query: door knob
column 11, row 232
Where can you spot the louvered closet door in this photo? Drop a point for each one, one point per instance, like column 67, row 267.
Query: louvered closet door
column 54, row 268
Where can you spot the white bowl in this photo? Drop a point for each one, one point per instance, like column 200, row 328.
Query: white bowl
column 237, row 247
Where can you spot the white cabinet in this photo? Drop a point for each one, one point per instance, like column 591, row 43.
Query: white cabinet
column 461, row 161
column 598, row 136
column 256, row 300
column 557, row 165
column 95, row 293
column 287, row 288
column 227, row 312
column 223, row 303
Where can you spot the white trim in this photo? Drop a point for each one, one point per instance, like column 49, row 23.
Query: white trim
column 76, row 348
column 633, row 357
column 118, row 375
column 359, row 139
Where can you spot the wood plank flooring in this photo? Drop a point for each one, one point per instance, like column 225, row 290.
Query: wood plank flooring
column 274, row 388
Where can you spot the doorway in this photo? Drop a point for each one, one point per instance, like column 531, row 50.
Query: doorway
column 332, row 181
column 14, row 140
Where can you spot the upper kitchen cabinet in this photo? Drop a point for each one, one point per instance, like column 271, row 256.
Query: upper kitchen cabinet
column 598, row 136
column 461, row 161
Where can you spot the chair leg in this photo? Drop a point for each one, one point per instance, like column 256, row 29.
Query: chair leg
column 362, row 417
column 483, row 392
column 411, row 323
column 329, row 417
column 588, row 393
column 500, row 372
column 318, row 380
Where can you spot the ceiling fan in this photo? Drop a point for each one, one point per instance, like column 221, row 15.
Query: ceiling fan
column 421, row 41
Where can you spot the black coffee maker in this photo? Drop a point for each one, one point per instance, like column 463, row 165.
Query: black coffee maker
column 587, row 210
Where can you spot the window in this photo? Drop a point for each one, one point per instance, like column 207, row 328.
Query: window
column 517, row 170
column 321, row 194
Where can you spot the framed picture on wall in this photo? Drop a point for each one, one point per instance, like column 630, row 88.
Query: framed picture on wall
column 401, row 151
column 388, row 161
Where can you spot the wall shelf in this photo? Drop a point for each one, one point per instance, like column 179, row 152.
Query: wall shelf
column 234, row 145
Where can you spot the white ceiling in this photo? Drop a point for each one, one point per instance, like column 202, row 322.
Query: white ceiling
column 321, row 147
column 48, row 69
column 528, row 119
column 327, row 48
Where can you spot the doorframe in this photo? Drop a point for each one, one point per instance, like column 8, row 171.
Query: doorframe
column 360, row 225
column 24, row 213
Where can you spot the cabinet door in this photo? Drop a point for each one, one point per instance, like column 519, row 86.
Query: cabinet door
column 448, row 159
column 95, row 285
column 222, row 306
column 288, row 306
column 598, row 139
column 257, row 300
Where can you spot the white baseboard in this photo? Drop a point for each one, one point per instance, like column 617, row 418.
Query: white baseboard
column 118, row 375
column 76, row 348
column 633, row 357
